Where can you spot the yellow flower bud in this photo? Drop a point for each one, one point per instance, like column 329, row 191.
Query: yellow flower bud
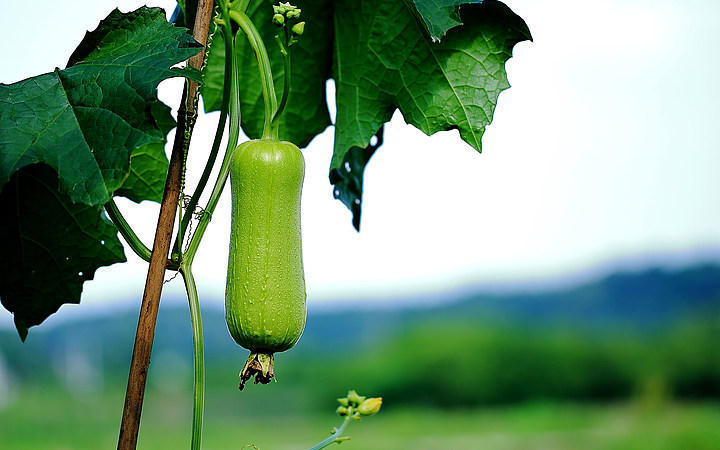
column 370, row 406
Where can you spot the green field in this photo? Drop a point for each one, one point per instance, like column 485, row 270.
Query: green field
column 49, row 419
column 449, row 378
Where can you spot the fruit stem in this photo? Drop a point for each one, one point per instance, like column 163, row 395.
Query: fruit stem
column 270, row 130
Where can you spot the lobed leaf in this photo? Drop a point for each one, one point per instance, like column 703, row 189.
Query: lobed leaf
column 69, row 141
column 386, row 61
column 86, row 120
column 437, row 86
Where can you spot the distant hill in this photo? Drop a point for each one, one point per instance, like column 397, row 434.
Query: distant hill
column 645, row 298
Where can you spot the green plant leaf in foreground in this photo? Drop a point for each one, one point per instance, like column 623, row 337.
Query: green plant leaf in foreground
column 453, row 84
column 382, row 57
column 69, row 141
column 86, row 120
column 387, row 61
column 50, row 246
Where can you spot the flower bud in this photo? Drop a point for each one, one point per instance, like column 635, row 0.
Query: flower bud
column 370, row 406
column 343, row 402
column 293, row 13
column 298, row 28
column 354, row 399
column 278, row 19
column 282, row 8
column 342, row 411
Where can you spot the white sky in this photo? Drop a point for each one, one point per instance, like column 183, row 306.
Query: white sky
column 606, row 146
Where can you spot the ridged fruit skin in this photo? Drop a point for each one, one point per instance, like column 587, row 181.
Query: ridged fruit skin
column 265, row 299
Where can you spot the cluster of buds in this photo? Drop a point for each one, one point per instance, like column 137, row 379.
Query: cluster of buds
column 286, row 15
column 355, row 405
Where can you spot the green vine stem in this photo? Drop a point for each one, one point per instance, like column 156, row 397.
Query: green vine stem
column 352, row 407
column 198, row 354
column 285, row 50
column 233, row 137
column 207, row 214
column 234, row 79
column 202, row 183
column 126, row 231
column 187, row 259
column 242, row 5
column 270, row 130
column 335, row 437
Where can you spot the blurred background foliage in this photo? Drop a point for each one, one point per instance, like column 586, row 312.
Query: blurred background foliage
column 647, row 341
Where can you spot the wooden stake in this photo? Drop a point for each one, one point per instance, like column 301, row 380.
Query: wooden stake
column 140, row 363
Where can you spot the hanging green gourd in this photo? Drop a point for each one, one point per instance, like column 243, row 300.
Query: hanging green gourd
column 265, row 299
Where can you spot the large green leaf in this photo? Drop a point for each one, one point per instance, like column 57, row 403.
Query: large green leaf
column 437, row 86
column 69, row 141
column 50, row 246
column 453, row 84
column 383, row 56
column 86, row 120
